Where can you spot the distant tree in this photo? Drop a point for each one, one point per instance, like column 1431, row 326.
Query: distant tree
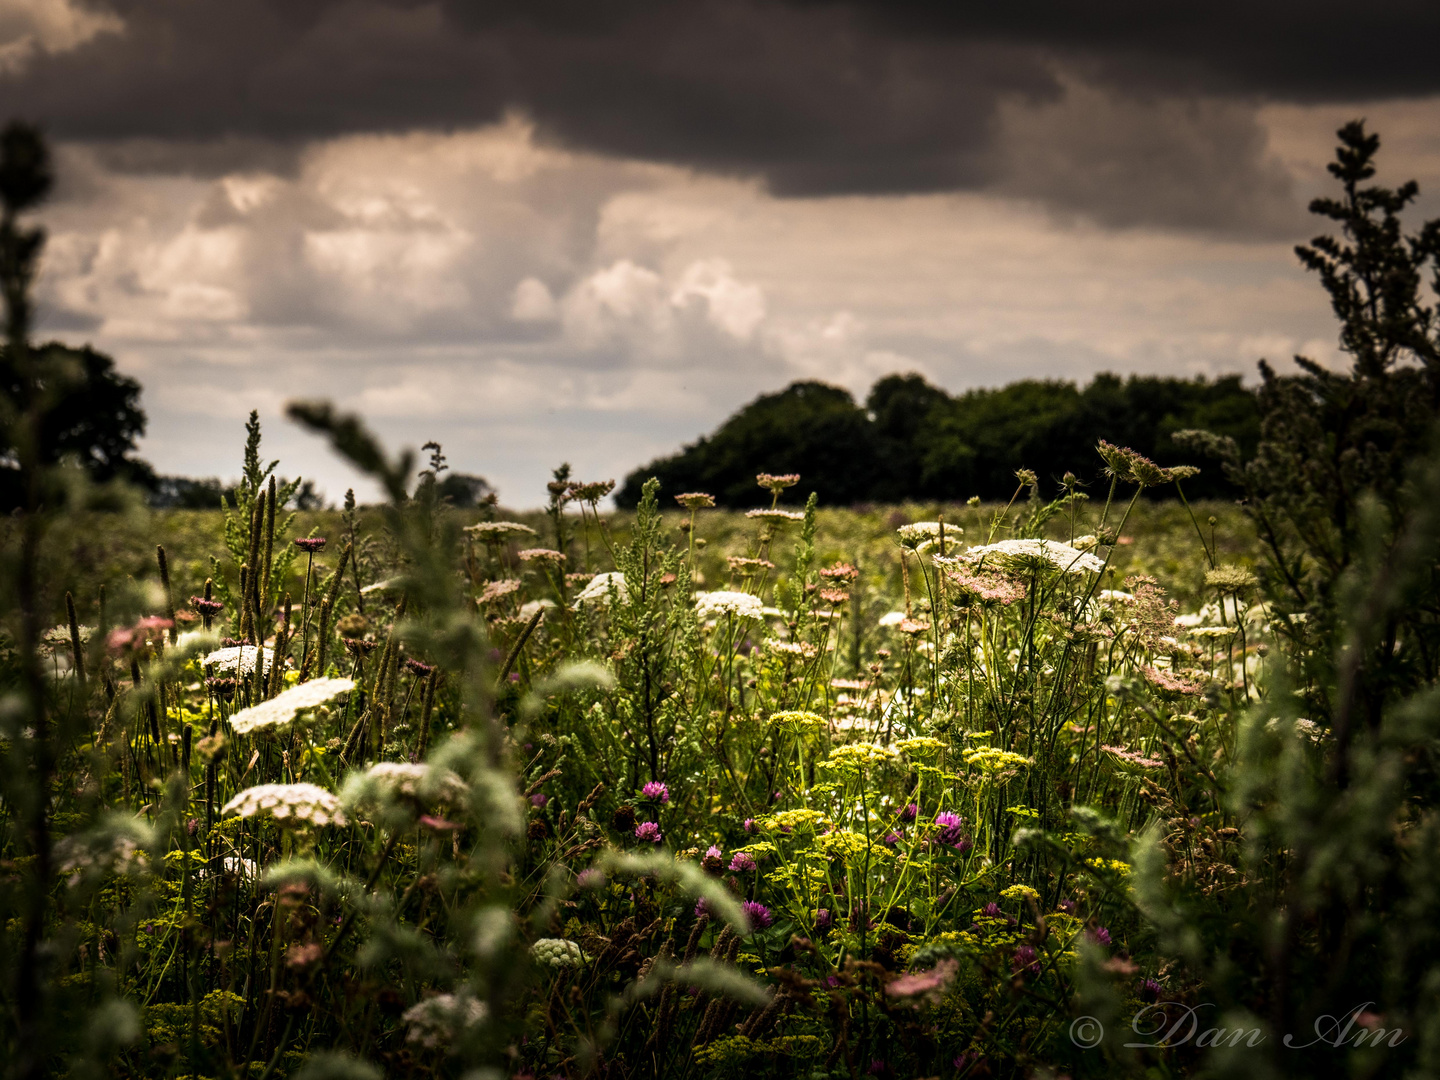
column 809, row 428
column 915, row 441
column 94, row 416
column 463, row 490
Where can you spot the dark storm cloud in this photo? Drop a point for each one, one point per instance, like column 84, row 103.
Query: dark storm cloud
column 816, row 98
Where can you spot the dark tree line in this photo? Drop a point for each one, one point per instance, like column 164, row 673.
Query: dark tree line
column 911, row 440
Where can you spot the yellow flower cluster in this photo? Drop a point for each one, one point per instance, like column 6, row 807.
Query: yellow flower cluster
column 921, row 744
column 991, row 760
column 800, row 718
column 1114, row 866
column 795, row 819
column 853, row 758
column 1016, row 892
column 850, row 846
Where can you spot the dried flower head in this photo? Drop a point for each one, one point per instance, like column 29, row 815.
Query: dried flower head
column 740, row 564
column 310, row 544
column 1230, row 579
column 592, row 492
column 542, row 555
column 695, row 500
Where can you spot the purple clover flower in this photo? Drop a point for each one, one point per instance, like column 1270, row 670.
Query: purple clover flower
column 892, row 838
column 992, row 911
column 743, row 862
column 648, row 831
column 539, row 799
column 749, row 825
column 657, row 791
column 951, row 828
column 1150, row 990
column 822, row 918
column 910, row 812
column 758, row 915
column 1025, row 958
column 1100, row 936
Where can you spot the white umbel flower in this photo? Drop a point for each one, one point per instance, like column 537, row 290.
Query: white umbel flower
column 439, row 1020
column 724, row 602
column 1026, row 554
column 557, row 952
column 387, row 779
column 298, row 804
column 598, row 589
column 280, row 710
column 241, row 656
column 496, row 531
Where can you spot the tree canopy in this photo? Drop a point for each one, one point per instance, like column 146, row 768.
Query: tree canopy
column 913, row 440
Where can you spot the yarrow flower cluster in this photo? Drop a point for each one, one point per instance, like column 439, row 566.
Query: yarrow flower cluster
column 724, row 602
column 282, row 709
column 557, row 952
column 497, row 590
column 298, row 804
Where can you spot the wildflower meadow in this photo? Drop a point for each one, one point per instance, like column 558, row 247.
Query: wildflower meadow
column 1098, row 780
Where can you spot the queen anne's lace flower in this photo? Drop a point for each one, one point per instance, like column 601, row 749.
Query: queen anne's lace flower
column 495, row 532
column 724, row 602
column 557, row 952
column 775, row 515
column 438, row 1020
column 288, row 803
column 600, row 588
column 280, row 710
column 415, row 780
column 1031, row 554
column 239, row 656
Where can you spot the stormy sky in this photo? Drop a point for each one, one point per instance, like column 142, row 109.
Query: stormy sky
column 550, row 230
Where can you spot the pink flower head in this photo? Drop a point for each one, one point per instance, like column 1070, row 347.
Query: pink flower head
column 892, row 838
column 749, row 824
column 950, row 828
column 657, row 791
column 758, row 915
column 743, row 862
column 648, row 831
column 992, row 911
column 590, row 879
column 1025, row 958
column 1100, row 936
column 311, row 544
column 908, row 814
column 924, row 984
column 539, row 799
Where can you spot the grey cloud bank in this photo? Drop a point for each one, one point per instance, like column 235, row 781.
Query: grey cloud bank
column 556, row 230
